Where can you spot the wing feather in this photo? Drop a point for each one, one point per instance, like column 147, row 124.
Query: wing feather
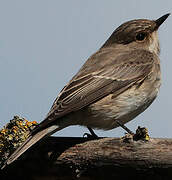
column 100, row 76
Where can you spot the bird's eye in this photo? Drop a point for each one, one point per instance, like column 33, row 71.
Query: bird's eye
column 140, row 36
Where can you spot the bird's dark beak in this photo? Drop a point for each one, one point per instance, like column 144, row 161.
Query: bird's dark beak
column 161, row 20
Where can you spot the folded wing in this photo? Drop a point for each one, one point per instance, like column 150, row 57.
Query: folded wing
column 100, row 77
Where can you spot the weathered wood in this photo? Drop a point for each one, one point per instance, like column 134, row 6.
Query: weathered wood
column 107, row 158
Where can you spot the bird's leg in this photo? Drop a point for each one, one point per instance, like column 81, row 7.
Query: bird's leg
column 92, row 135
column 92, row 132
column 141, row 133
column 125, row 127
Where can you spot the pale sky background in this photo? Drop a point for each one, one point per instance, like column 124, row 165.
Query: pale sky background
column 43, row 43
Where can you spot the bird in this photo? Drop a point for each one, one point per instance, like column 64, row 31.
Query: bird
column 115, row 84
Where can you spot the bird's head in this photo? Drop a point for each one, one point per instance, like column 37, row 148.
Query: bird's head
column 140, row 33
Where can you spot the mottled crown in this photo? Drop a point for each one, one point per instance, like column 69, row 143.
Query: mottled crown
column 127, row 32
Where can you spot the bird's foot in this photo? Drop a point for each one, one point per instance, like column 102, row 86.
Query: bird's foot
column 141, row 134
column 92, row 134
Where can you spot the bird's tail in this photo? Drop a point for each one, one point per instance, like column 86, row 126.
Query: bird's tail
column 32, row 139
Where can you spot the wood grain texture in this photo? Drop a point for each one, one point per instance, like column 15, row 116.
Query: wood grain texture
column 107, row 158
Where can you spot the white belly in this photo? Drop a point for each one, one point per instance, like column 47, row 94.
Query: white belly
column 124, row 107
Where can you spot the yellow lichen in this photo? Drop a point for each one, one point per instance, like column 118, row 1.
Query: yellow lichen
column 13, row 135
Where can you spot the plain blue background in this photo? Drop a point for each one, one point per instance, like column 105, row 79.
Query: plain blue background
column 43, row 43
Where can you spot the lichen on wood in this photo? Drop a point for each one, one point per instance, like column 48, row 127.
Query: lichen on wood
column 13, row 135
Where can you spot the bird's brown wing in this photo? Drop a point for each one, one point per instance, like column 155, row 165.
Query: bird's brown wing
column 91, row 83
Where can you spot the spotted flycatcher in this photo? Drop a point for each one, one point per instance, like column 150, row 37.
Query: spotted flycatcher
column 115, row 84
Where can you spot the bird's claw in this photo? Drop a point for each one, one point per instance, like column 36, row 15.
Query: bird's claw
column 90, row 136
column 141, row 134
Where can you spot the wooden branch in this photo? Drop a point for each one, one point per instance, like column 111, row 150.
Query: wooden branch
column 67, row 158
